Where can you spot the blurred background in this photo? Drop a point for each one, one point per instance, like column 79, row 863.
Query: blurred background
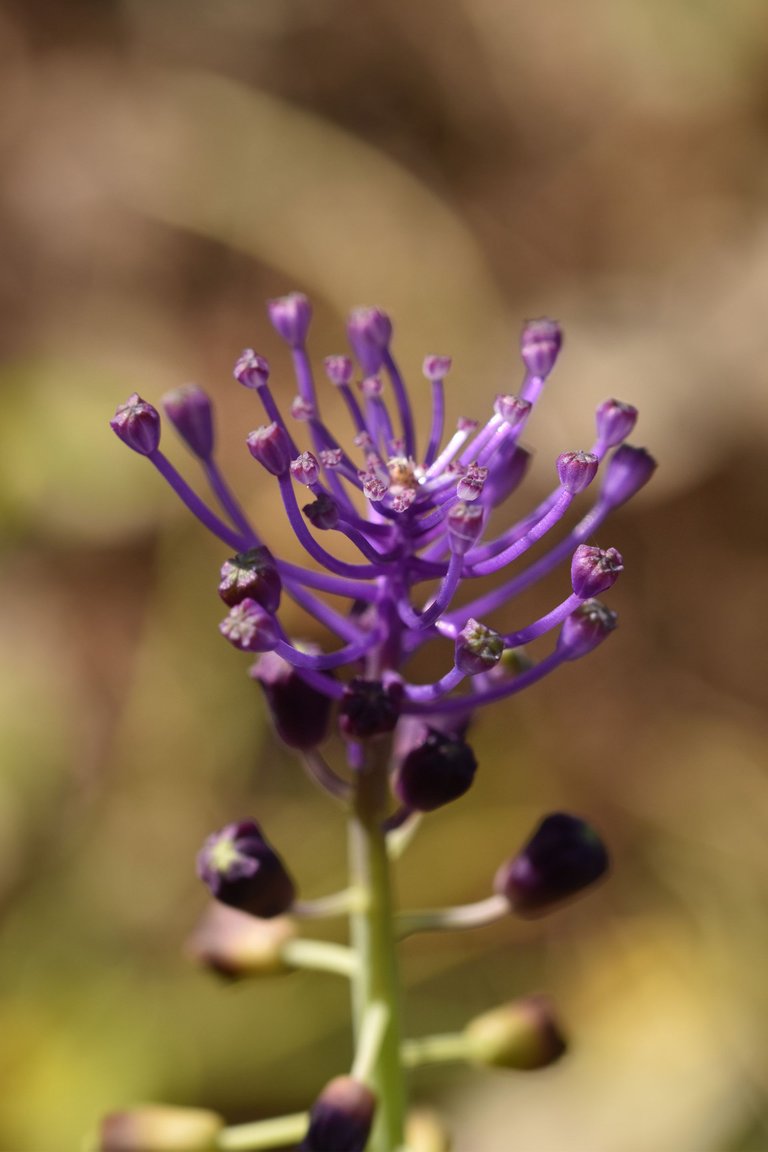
column 166, row 167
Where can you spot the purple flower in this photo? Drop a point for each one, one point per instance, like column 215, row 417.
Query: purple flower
column 243, row 871
column 410, row 510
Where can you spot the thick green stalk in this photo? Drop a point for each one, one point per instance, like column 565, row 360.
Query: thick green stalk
column 372, row 931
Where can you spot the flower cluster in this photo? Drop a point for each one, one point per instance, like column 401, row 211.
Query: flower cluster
column 415, row 513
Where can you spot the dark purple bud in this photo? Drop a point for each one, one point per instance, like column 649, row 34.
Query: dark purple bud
column 524, row 1035
column 299, row 712
column 627, row 471
column 234, row 944
column 243, row 871
column 338, row 369
column 563, row 856
column 576, row 470
column 436, row 367
column 137, row 424
column 369, row 331
column 251, row 575
column 323, row 513
column 508, row 467
column 271, row 447
column 540, row 343
column 472, row 482
column 249, row 628
column 369, row 709
column 512, row 410
column 159, row 1128
column 585, row 628
column 251, row 370
column 478, row 648
column 341, row 1118
column 614, row 422
column 440, row 770
column 189, row 410
column 290, row 316
column 465, row 523
column 305, row 469
column 594, row 570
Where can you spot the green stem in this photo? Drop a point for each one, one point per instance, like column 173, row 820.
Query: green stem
column 320, row 956
column 276, row 1133
column 438, row 1049
column 373, row 940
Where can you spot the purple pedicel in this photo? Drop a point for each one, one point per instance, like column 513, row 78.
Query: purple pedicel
column 408, row 518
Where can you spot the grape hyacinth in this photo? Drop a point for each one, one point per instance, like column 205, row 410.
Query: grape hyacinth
column 416, row 507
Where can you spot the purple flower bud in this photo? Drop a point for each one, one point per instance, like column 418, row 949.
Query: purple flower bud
column 251, row 370
column 508, row 467
column 270, row 445
column 524, row 1035
column 627, row 471
column 290, row 316
column 299, row 712
column 243, row 871
column 614, row 422
column 341, row 1118
column 305, row 469
column 512, row 410
column 249, row 628
column 478, row 648
column 438, row 771
column 369, row 331
column 137, row 424
column 563, row 856
column 576, row 470
column 330, row 457
column 585, row 628
column 302, row 410
column 594, row 570
column 251, row 575
column 158, row 1128
column 540, row 343
column 465, row 523
column 471, row 483
column 189, row 410
column 338, row 369
column 436, row 367
column 235, row 945
column 323, row 513
column 371, row 386
column 368, row 708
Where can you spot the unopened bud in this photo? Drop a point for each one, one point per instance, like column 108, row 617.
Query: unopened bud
column 137, row 424
column 615, row 421
column 627, row 471
column 368, row 708
column 563, row 856
column 465, row 524
column 251, row 370
column 249, row 628
column 243, row 871
column 251, row 575
column 189, row 410
column 472, row 482
column 540, row 344
column 594, row 570
column 576, row 470
column 478, row 648
column 323, row 512
column 341, row 1118
column 235, row 945
column 438, row 771
column 305, row 469
column 425, row 1131
column 511, row 409
column 271, row 447
column 369, row 331
column 523, row 1035
column 290, row 316
column 585, row 628
column 300, row 713
column 160, row 1128
column 338, row 369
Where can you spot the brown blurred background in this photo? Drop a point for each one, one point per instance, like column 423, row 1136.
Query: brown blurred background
column 166, row 166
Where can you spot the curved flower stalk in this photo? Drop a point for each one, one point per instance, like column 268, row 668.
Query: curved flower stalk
column 416, row 508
